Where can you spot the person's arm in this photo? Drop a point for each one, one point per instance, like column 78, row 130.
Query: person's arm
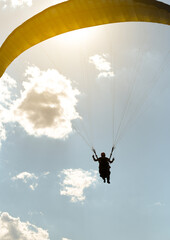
column 95, row 159
column 111, row 160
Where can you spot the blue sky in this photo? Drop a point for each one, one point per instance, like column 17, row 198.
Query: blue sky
column 95, row 87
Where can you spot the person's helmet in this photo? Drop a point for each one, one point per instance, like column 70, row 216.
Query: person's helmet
column 103, row 154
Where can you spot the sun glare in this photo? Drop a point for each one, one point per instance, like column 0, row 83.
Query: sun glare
column 77, row 36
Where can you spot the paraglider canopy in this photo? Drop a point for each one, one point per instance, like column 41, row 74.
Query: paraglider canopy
column 76, row 14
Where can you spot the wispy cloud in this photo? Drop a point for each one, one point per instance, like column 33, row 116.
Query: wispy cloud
column 29, row 178
column 30, row 213
column 16, row 3
column 33, row 186
column 24, row 176
column 75, row 181
column 28, row 3
column 7, row 94
column 2, row 134
column 7, row 84
column 45, row 173
column 159, row 204
column 13, row 228
column 4, row 2
column 102, row 65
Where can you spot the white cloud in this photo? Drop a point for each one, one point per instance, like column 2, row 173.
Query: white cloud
column 6, row 86
column 13, row 229
column 33, row 186
column 65, row 239
column 30, row 178
column 16, row 3
column 47, row 104
column 102, row 65
column 75, row 181
column 105, row 74
column 100, row 62
column 4, row 3
column 24, row 176
column 2, row 133
column 27, row 177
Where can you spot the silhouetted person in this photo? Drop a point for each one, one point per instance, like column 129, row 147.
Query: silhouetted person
column 104, row 166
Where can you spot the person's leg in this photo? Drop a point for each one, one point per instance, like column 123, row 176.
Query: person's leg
column 104, row 179
column 108, row 178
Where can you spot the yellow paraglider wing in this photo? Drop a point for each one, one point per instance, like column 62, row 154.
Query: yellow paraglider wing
column 76, row 14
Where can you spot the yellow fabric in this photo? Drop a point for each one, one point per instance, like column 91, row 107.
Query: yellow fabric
column 76, row 14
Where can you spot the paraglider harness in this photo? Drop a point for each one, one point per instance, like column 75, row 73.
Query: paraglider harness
column 94, row 151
